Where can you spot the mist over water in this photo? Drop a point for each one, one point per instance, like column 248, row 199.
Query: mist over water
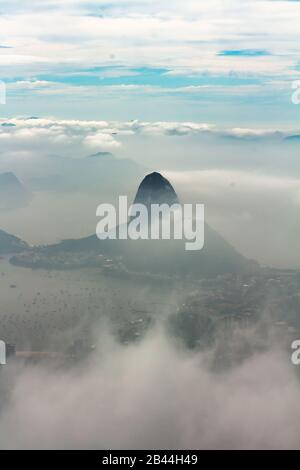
column 140, row 386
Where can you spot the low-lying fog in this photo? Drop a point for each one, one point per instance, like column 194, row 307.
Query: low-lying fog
column 151, row 394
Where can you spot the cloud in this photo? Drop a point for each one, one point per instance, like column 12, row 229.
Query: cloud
column 171, row 128
column 49, row 133
column 57, row 136
column 152, row 395
column 29, row 84
column 248, row 201
column 100, row 140
column 192, row 44
column 163, row 33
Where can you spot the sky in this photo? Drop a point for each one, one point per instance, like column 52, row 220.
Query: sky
column 222, row 62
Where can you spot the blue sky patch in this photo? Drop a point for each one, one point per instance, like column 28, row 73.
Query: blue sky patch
column 244, row 53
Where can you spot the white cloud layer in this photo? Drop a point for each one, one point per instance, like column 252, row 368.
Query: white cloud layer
column 164, row 33
column 108, row 133
column 152, row 395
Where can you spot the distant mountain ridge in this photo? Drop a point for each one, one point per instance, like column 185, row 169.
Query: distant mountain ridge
column 11, row 244
column 93, row 173
column 13, row 193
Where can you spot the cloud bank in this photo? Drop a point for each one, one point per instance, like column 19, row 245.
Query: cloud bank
column 153, row 395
